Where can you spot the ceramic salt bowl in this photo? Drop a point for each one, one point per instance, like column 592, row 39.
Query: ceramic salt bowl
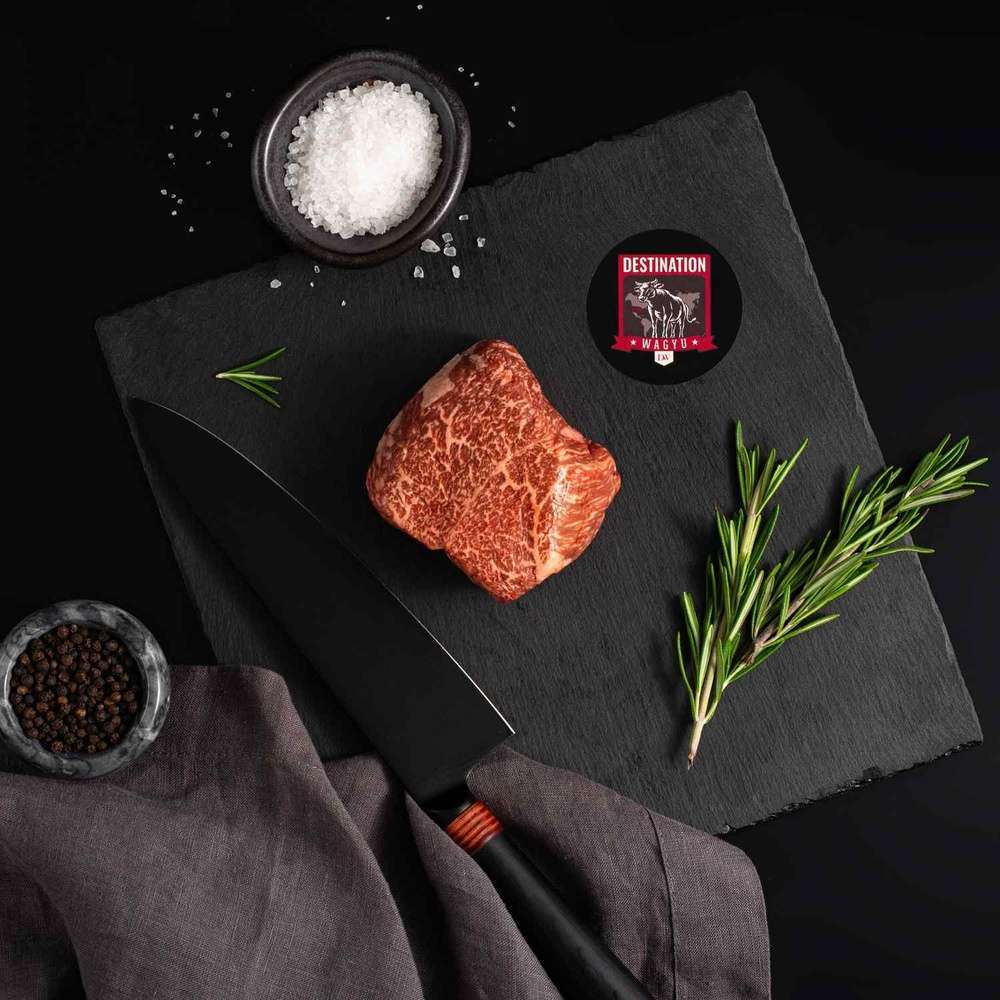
column 153, row 672
column 270, row 153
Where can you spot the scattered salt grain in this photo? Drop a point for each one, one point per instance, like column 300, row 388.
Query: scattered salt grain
column 215, row 112
column 190, row 229
column 223, row 135
column 170, row 156
column 476, row 84
column 208, row 163
column 195, row 116
column 180, row 201
column 429, row 246
column 163, row 191
column 471, row 75
column 343, row 302
column 418, row 272
column 363, row 160
column 456, row 271
column 312, row 284
column 511, row 124
column 174, row 212
column 174, row 196
column 447, row 237
column 197, row 133
column 463, row 218
column 275, row 283
column 512, row 108
column 229, row 145
column 229, row 93
column 316, row 268
column 420, row 6
column 461, row 69
column 170, row 127
column 480, row 242
column 450, row 251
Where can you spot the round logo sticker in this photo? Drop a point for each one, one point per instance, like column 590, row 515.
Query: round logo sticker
column 664, row 306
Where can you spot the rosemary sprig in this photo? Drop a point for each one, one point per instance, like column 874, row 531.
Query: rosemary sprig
column 247, row 377
column 749, row 612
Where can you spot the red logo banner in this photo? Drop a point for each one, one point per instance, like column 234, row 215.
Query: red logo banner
column 628, row 343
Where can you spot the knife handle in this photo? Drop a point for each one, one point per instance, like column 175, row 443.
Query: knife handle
column 579, row 965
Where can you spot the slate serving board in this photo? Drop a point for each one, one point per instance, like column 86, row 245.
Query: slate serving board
column 583, row 666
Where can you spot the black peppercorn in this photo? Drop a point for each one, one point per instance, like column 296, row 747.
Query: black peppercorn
column 70, row 687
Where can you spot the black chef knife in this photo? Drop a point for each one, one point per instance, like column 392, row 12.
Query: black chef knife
column 423, row 713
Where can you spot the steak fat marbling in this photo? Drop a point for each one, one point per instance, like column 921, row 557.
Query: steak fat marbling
column 480, row 464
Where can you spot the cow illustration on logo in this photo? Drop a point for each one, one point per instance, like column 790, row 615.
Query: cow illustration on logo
column 668, row 312
column 664, row 304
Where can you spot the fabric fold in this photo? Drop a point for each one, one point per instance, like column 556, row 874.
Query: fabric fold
column 230, row 862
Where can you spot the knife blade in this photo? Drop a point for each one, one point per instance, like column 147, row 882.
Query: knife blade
column 423, row 713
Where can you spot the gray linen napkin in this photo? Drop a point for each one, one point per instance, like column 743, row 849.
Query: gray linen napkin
column 230, row 862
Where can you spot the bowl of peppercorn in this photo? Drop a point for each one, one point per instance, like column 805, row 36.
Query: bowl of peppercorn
column 84, row 689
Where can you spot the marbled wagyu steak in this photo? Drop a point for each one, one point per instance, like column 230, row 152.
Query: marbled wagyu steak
column 480, row 464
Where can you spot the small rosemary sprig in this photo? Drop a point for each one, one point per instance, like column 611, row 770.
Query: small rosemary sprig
column 247, row 377
column 750, row 612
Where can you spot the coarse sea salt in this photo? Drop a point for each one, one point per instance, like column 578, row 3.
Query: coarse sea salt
column 363, row 160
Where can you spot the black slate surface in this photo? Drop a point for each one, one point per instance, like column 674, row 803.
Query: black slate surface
column 583, row 665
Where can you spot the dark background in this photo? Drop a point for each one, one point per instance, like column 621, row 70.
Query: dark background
column 886, row 134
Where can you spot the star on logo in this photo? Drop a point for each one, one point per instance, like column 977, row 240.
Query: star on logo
column 633, row 341
column 694, row 340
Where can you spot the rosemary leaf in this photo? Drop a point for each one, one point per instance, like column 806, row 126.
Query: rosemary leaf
column 257, row 391
column 246, row 377
column 260, row 361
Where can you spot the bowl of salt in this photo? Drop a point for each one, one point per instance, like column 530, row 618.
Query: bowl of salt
column 363, row 159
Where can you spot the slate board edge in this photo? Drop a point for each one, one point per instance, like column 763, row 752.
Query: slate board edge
column 862, row 412
column 850, row 786
column 740, row 97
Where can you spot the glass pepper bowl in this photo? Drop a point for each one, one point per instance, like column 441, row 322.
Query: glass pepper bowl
column 153, row 673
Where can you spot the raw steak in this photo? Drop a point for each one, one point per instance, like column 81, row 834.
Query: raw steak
column 480, row 464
